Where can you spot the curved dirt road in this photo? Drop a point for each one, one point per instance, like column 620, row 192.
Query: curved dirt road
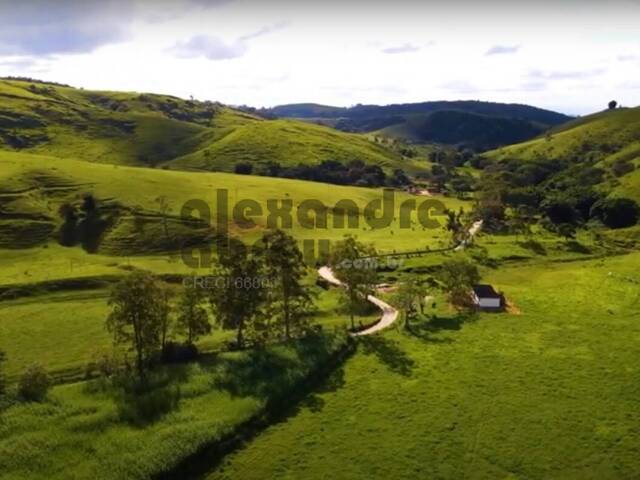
column 389, row 314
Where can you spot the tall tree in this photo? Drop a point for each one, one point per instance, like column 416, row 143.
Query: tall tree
column 455, row 227
column 353, row 263
column 136, row 317
column 407, row 298
column 238, row 295
column 285, row 269
column 193, row 319
column 458, row 277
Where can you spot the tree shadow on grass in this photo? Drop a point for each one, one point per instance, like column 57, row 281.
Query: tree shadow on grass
column 143, row 402
column 314, row 402
column 257, row 373
column 272, row 372
column 428, row 327
column 389, row 353
column 533, row 245
column 577, row 247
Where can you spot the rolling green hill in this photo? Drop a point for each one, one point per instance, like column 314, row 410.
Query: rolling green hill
column 473, row 124
column 159, row 130
column 609, row 140
column 34, row 187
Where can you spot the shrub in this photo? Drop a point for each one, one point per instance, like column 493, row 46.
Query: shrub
column 622, row 167
column 34, row 383
column 244, row 168
column 103, row 364
column 617, row 212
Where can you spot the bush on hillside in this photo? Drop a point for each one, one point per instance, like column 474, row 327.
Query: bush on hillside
column 617, row 212
column 34, row 383
column 622, row 167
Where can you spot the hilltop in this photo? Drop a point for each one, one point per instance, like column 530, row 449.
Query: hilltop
column 151, row 130
column 473, row 124
column 608, row 140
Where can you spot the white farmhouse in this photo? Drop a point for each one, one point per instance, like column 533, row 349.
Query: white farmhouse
column 486, row 298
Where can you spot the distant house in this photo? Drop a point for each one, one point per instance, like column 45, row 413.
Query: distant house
column 486, row 298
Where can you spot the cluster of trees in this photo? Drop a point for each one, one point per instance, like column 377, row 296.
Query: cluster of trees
column 458, row 277
column 409, row 299
column 445, row 173
column 564, row 195
column 355, row 172
column 82, row 225
column 256, row 291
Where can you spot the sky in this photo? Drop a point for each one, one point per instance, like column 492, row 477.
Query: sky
column 568, row 55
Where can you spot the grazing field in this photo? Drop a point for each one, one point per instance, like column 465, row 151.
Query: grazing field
column 65, row 331
column 548, row 392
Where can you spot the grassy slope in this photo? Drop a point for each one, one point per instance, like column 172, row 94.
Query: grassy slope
column 606, row 136
column 287, row 142
column 33, row 187
column 134, row 129
column 618, row 128
column 536, row 395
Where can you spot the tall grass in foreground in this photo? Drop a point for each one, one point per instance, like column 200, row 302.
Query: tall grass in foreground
column 101, row 430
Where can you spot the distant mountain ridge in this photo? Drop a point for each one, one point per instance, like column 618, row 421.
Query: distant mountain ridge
column 468, row 123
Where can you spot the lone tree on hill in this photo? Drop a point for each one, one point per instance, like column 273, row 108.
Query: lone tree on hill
column 285, row 269
column 137, row 317
column 613, row 104
column 193, row 319
column 459, row 277
column 351, row 262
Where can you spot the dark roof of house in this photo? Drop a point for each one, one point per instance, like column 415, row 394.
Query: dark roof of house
column 486, row 291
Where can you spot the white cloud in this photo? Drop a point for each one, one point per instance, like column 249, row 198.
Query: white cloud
column 405, row 48
column 502, row 49
column 211, row 48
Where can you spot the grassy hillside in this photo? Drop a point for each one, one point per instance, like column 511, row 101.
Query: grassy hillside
column 33, row 187
column 610, row 135
column 606, row 139
column 153, row 130
column 288, row 143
